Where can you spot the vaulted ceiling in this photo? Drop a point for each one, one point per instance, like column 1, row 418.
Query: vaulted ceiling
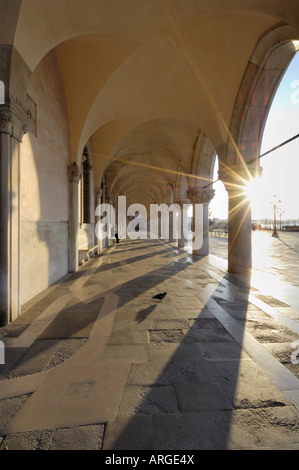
column 143, row 79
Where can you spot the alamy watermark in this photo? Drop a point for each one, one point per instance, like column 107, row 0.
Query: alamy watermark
column 135, row 221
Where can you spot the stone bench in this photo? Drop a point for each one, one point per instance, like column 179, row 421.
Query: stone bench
column 86, row 253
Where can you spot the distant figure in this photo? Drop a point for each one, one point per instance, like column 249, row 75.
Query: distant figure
column 116, row 235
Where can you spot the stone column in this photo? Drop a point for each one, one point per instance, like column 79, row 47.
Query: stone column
column 239, row 217
column 182, row 241
column 171, row 227
column 74, row 178
column 122, row 217
column 201, row 196
column 13, row 125
column 159, row 225
column 98, row 201
column 106, row 240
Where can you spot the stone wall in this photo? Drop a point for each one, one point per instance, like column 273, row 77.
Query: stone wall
column 44, row 185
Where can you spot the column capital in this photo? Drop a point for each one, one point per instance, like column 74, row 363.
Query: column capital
column 16, row 119
column 200, row 195
column 74, row 173
column 181, row 201
column 6, row 120
column 98, row 193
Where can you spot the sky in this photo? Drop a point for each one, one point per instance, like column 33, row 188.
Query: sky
column 280, row 168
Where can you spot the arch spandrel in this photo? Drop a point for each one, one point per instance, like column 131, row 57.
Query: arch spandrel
column 157, row 36
column 270, row 59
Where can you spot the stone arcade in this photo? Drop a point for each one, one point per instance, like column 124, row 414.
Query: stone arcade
column 74, row 88
column 101, row 99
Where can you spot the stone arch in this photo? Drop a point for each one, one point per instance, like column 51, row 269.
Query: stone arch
column 238, row 157
column 268, row 63
column 203, row 161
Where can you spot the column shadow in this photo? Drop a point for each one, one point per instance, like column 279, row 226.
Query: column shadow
column 185, row 395
column 186, row 391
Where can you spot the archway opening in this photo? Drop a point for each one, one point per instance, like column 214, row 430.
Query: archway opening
column 280, row 167
column 218, row 216
column 274, row 196
column 219, row 205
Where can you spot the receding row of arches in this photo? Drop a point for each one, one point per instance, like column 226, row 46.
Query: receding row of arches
column 95, row 109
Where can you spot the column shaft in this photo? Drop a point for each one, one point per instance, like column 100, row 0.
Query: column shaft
column 10, row 304
column 239, row 233
column 201, row 196
column 204, row 249
column 74, row 178
column 234, row 178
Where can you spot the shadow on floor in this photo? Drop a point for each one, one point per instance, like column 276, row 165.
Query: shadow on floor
column 185, row 394
column 188, row 388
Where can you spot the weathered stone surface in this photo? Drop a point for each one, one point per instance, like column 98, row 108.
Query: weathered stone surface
column 78, row 438
column 148, row 400
column 274, row 428
column 185, row 373
column 130, row 433
column 201, row 397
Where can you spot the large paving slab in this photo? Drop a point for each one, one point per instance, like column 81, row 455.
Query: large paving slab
column 206, row 368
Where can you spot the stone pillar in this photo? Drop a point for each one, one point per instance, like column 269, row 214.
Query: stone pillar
column 98, row 202
column 201, row 196
column 159, row 225
column 171, row 227
column 106, row 240
column 74, row 179
column 239, row 217
column 122, row 217
column 13, row 124
column 182, row 241
column 239, row 233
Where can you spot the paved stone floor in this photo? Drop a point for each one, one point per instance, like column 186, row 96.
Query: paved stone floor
column 95, row 363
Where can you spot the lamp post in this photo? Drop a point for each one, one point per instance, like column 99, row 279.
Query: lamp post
column 281, row 212
column 275, row 202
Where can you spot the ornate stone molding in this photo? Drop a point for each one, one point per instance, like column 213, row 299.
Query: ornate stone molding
column 181, row 201
column 16, row 120
column 6, row 120
column 74, row 173
column 98, row 194
column 200, row 195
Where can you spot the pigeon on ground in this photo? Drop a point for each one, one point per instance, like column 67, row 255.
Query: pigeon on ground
column 160, row 296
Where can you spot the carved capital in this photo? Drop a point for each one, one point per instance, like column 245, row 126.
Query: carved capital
column 6, row 120
column 16, row 120
column 181, row 201
column 98, row 194
column 74, row 173
column 200, row 195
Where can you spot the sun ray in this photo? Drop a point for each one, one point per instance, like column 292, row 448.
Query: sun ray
column 240, row 226
column 151, row 167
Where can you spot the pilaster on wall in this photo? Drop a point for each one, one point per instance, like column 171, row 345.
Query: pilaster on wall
column 15, row 121
column 75, row 175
